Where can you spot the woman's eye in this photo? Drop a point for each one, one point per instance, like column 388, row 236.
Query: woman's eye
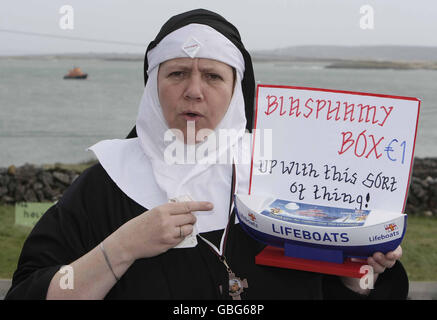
column 177, row 74
column 213, row 76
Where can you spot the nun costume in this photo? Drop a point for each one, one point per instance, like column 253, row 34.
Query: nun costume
column 132, row 177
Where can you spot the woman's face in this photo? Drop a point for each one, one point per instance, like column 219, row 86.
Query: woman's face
column 198, row 90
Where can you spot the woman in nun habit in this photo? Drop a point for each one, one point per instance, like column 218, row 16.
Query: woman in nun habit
column 135, row 226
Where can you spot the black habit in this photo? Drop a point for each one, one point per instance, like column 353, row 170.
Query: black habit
column 93, row 207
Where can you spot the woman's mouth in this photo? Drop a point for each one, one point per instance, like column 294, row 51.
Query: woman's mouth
column 191, row 116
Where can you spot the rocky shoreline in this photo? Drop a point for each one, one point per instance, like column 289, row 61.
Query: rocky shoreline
column 30, row 183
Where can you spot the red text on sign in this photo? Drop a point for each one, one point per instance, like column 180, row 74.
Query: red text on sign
column 361, row 144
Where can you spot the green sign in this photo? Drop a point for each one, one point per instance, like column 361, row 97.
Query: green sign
column 28, row 213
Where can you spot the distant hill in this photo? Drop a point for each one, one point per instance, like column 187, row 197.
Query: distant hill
column 332, row 53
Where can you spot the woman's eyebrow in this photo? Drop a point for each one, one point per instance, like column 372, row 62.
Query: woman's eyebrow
column 210, row 69
column 179, row 66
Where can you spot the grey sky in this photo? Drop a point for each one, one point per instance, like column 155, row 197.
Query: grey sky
column 263, row 24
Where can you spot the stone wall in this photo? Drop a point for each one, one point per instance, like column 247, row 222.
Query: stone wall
column 29, row 183
column 422, row 196
column 40, row 184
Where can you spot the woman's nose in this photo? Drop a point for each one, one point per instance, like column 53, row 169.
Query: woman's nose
column 193, row 90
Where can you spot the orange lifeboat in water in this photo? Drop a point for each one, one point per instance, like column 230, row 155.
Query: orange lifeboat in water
column 76, row 73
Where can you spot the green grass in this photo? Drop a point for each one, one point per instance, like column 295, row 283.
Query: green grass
column 11, row 241
column 419, row 245
column 420, row 248
column 12, row 237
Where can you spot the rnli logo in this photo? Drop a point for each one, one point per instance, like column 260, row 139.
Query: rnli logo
column 390, row 227
column 250, row 219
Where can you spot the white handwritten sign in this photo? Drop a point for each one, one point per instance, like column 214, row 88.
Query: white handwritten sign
column 335, row 148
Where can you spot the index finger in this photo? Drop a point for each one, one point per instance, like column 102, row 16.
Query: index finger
column 189, row 206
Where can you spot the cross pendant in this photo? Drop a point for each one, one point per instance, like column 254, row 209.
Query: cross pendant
column 236, row 286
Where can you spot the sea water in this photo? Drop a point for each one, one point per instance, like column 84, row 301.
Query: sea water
column 46, row 119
